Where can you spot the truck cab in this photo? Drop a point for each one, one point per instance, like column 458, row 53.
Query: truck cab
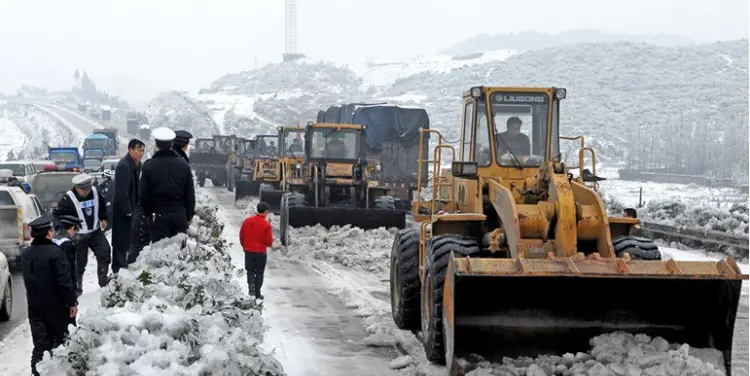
column 66, row 157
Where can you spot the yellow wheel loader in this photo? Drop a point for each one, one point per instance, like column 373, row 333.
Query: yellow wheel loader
column 336, row 189
column 521, row 259
column 261, row 169
column 291, row 170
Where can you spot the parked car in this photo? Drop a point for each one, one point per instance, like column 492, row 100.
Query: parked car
column 22, row 170
column 17, row 210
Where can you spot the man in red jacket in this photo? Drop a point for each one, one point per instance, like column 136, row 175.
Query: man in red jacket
column 255, row 237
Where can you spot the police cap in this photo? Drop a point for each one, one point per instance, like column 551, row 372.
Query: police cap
column 163, row 134
column 41, row 226
column 83, row 181
column 70, row 220
column 182, row 138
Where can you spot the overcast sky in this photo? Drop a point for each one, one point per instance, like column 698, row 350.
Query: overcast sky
column 137, row 48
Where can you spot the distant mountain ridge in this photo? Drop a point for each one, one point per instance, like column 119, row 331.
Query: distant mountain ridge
column 531, row 40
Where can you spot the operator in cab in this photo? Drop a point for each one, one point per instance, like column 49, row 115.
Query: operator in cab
column 50, row 291
column 335, row 147
column 66, row 232
column 296, row 147
column 181, row 142
column 166, row 190
column 518, row 143
column 85, row 202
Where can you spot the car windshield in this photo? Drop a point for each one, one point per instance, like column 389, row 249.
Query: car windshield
column 109, row 165
column 63, row 156
column 294, row 141
column 49, row 187
column 95, row 144
column 330, row 143
column 267, row 147
column 17, row 168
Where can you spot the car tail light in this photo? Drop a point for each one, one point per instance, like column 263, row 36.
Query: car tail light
column 26, row 231
column 49, row 168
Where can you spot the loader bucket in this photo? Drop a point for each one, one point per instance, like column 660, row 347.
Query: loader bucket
column 273, row 198
column 366, row 219
column 528, row 307
column 245, row 188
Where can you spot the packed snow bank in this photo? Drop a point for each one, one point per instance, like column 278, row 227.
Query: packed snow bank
column 175, row 311
column 615, row 354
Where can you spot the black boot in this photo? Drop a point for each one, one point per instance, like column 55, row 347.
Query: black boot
column 101, row 274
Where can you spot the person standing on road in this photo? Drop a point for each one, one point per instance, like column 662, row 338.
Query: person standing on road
column 255, row 237
column 166, row 189
column 50, row 291
column 64, row 236
column 181, row 141
column 107, row 188
column 126, row 216
column 86, row 203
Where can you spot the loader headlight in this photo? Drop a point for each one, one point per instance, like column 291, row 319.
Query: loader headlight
column 378, row 168
column 560, row 93
column 298, row 166
column 476, row 92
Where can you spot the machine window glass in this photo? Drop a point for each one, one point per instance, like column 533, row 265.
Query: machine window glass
column 267, row 146
column 468, row 121
column 294, row 142
column 332, row 143
column 520, row 128
column 482, row 148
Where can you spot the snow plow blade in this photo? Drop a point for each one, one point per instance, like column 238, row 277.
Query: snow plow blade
column 528, row 307
column 273, row 198
column 366, row 219
column 245, row 188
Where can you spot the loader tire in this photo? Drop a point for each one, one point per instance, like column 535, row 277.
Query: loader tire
column 288, row 200
column 435, row 267
column 405, row 284
column 639, row 248
column 385, row 202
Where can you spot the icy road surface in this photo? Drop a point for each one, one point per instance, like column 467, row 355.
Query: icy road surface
column 311, row 331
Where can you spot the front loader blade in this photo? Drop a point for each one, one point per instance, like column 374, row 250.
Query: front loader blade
column 273, row 198
column 528, row 307
column 245, row 189
column 366, row 219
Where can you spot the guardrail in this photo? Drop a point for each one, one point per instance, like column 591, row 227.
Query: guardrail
column 716, row 238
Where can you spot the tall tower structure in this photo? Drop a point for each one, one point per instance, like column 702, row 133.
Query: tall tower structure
column 290, row 31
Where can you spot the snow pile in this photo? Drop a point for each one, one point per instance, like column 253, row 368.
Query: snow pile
column 176, row 110
column 615, row 354
column 175, row 311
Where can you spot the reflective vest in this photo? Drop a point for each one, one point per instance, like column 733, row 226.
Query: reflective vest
column 87, row 206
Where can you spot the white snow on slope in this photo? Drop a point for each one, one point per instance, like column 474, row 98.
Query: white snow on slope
column 40, row 130
column 13, row 139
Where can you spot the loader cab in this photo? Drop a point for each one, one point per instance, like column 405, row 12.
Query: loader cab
column 510, row 132
column 335, row 142
column 224, row 144
column 267, row 158
column 267, row 146
column 292, row 142
column 204, row 145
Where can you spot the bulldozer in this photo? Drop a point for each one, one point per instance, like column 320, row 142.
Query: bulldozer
column 514, row 255
column 334, row 188
column 263, row 167
column 291, row 162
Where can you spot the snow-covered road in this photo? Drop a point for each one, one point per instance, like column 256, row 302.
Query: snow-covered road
column 310, row 330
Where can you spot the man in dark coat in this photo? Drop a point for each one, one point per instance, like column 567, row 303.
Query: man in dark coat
column 181, row 142
column 518, row 143
column 166, row 190
column 64, row 236
column 107, row 188
column 125, row 203
column 50, row 291
column 85, row 202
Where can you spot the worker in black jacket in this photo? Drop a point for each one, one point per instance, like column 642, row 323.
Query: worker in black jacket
column 107, row 189
column 181, row 142
column 166, row 190
column 66, row 231
column 50, row 291
column 86, row 203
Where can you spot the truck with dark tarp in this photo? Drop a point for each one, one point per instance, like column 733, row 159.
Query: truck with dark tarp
column 392, row 139
column 112, row 143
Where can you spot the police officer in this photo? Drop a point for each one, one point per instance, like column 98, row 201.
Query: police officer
column 166, row 190
column 85, row 202
column 50, row 291
column 107, row 189
column 180, row 145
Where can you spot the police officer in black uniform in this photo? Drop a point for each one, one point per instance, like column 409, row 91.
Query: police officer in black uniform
column 85, row 202
column 181, row 142
column 50, row 291
column 166, row 190
column 66, row 232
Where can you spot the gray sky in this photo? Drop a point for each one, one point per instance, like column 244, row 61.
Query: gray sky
column 137, row 48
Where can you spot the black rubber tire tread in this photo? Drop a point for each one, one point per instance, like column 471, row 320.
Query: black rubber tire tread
column 438, row 253
column 638, row 247
column 297, row 199
column 385, row 202
column 284, row 220
column 406, row 314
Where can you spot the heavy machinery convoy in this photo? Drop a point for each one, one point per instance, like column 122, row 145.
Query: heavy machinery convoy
column 513, row 255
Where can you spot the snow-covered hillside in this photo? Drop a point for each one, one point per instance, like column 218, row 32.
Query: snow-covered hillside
column 621, row 88
column 28, row 132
